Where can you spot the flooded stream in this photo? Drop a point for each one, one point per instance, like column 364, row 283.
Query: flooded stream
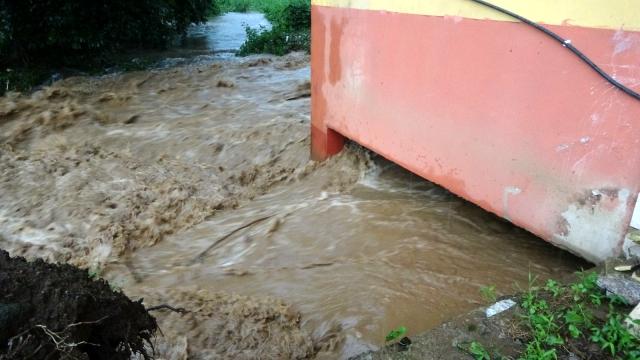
column 223, row 34
column 192, row 186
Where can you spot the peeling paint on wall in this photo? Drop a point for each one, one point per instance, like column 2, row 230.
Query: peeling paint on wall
column 508, row 191
column 591, row 225
column 635, row 220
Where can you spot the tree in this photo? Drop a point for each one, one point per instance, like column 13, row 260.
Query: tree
column 52, row 30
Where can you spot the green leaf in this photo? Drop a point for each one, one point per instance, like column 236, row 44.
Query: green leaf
column 574, row 331
column 478, row 351
column 396, row 333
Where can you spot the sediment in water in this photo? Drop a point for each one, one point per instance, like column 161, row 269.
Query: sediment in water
column 134, row 175
column 92, row 169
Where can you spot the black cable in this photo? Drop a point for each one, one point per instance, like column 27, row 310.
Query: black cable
column 567, row 44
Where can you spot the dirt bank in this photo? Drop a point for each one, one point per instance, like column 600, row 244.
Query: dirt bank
column 450, row 340
column 588, row 315
column 57, row 312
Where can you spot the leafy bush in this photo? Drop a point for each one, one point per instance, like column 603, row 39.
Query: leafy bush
column 275, row 41
column 291, row 30
column 478, row 351
column 249, row 5
column 237, row 5
column 294, row 16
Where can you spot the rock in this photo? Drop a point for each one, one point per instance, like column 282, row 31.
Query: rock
column 225, row 84
column 499, row 307
column 634, row 316
column 404, row 344
column 622, row 286
column 633, row 252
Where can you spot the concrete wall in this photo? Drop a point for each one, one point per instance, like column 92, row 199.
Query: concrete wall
column 490, row 108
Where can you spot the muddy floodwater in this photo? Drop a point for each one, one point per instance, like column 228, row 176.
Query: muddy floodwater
column 192, row 186
column 223, row 34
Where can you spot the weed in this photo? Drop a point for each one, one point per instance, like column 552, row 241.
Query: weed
column 396, row 334
column 560, row 317
column 553, row 287
column 478, row 351
column 489, row 293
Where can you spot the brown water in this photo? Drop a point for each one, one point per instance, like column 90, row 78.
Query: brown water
column 135, row 175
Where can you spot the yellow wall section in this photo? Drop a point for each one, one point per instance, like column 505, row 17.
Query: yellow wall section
column 609, row 14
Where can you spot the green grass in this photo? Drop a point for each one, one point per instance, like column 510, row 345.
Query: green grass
column 489, row 293
column 577, row 317
column 478, row 351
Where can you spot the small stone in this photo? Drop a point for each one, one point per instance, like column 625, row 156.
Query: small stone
column 225, row 84
column 633, row 252
column 634, row 316
column 623, row 268
column 573, row 356
column 404, row 344
column 621, row 286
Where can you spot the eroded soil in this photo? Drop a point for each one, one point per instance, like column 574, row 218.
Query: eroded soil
column 57, row 312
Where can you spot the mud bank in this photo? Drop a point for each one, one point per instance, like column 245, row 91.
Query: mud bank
column 588, row 315
column 450, row 340
column 57, row 312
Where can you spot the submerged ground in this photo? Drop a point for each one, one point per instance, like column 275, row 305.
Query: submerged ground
column 192, row 186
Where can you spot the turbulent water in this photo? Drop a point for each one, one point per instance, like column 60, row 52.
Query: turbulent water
column 192, row 186
column 224, row 34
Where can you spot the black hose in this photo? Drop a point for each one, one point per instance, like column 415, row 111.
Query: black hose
column 567, row 44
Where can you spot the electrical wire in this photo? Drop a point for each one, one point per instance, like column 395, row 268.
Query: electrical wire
column 567, row 44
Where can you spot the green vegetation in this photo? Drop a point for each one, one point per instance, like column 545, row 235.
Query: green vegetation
column 33, row 28
column 396, row 334
column 575, row 318
column 250, row 5
column 39, row 35
column 478, row 351
column 489, row 293
column 290, row 31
